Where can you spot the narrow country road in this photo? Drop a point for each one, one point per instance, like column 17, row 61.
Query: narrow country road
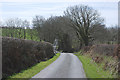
column 66, row 66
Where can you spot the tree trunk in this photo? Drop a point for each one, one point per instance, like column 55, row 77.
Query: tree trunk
column 80, row 45
column 86, row 42
column 24, row 34
column 20, row 33
column 11, row 35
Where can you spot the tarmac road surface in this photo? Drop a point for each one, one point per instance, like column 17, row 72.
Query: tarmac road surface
column 66, row 66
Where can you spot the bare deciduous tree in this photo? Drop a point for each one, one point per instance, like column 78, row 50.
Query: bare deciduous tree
column 38, row 23
column 25, row 25
column 10, row 23
column 81, row 19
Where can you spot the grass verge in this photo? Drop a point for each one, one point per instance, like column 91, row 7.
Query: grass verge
column 92, row 69
column 29, row 73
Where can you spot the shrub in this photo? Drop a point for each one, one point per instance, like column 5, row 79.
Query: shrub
column 19, row 54
column 103, row 49
column 105, row 55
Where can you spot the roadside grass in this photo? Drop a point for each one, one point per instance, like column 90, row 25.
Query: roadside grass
column 30, row 72
column 92, row 69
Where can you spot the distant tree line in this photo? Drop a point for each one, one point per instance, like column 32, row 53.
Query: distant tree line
column 17, row 28
column 79, row 26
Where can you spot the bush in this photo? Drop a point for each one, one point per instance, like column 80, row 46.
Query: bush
column 19, row 54
column 105, row 55
column 103, row 49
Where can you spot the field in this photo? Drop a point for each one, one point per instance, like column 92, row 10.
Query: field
column 29, row 34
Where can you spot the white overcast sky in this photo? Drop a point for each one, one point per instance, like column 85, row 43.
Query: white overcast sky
column 27, row 9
